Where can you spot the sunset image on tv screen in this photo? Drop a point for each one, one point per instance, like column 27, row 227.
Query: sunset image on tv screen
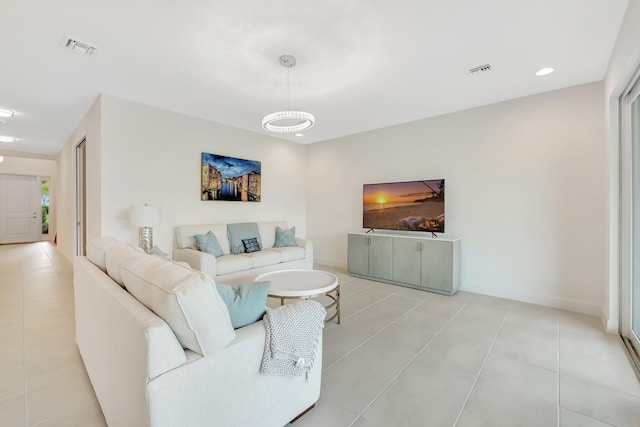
column 411, row 206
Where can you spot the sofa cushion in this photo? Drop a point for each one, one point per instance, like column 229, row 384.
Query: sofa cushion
column 240, row 231
column 208, row 243
column 285, row 238
column 231, row 263
column 288, row 254
column 185, row 235
column 246, row 303
column 117, row 255
column 264, row 258
column 184, row 298
column 97, row 248
column 268, row 232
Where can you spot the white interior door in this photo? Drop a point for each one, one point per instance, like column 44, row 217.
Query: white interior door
column 20, row 211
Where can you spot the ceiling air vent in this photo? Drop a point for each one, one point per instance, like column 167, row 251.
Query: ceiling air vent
column 481, row 69
column 78, row 46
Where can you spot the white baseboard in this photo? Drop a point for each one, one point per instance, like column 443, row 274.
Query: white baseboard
column 560, row 303
column 330, row 262
column 611, row 326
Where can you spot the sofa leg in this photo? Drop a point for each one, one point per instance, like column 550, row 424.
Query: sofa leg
column 302, row 413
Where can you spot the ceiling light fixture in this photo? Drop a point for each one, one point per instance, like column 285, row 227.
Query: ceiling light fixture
column 6, row 113
column 78, row 46
column 7, row 139
column 544, row 71
column 288, row 121
column 1, row 159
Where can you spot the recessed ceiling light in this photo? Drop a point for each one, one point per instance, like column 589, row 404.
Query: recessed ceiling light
column 544, row 71
column 6, row 113
column 299, row 134
column 7, row 139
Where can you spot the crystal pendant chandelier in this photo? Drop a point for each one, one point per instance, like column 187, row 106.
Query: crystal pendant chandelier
column 288, row 121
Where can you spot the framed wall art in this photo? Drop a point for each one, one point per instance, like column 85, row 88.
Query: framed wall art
column 229, row 178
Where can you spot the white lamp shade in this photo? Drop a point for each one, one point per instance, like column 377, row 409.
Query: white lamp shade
column 144, row 216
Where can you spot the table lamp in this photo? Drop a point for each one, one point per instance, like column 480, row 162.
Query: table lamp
column 144, row 217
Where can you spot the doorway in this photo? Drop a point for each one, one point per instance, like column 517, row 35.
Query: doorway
column 81, row 197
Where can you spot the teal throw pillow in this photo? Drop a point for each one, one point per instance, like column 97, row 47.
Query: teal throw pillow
column 209, row 243
column 285, row 239
column 158, row 252
column 239, row 232
column 246, row 303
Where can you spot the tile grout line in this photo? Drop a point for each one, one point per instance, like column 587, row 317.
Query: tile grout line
column 558, row 366
column 381, row 300
column 601, row 386
column 573, row 410
column 363, row 342
column 68, row 411
column 24, row 343
column 484, row 362
column 409, row 362
column 366, row 307
column 377, row 333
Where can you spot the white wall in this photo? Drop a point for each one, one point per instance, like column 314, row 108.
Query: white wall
column 153, row 156
column 18, row 165
column 526, row 191
column 625, row 60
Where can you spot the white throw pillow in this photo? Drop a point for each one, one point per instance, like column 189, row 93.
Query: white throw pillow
column 184, row 298
column 97, row 248
column 117, row 255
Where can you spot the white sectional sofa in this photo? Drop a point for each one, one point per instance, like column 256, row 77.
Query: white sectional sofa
column 160, row 350
column 233, row 269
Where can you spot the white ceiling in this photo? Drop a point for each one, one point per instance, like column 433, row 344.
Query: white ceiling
column 363, row 64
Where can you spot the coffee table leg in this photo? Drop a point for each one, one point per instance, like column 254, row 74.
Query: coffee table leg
column 338, row 302
column 281, row 300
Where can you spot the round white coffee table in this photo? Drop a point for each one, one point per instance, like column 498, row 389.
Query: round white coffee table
column 304, row 284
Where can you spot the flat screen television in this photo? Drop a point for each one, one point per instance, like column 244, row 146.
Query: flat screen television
column 410, row 205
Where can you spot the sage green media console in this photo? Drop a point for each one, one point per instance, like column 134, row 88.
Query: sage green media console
column 430, row 264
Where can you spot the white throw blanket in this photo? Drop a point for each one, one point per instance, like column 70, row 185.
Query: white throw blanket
column 292, row 337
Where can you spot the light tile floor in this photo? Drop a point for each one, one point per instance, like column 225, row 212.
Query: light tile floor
column 401, row 357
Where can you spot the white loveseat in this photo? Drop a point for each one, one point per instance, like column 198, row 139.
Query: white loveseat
column 184, row 366
column 232, row 269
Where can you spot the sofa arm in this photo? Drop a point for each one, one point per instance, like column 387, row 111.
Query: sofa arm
column 200, row 261
column 307, row 245
column 228, row 389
